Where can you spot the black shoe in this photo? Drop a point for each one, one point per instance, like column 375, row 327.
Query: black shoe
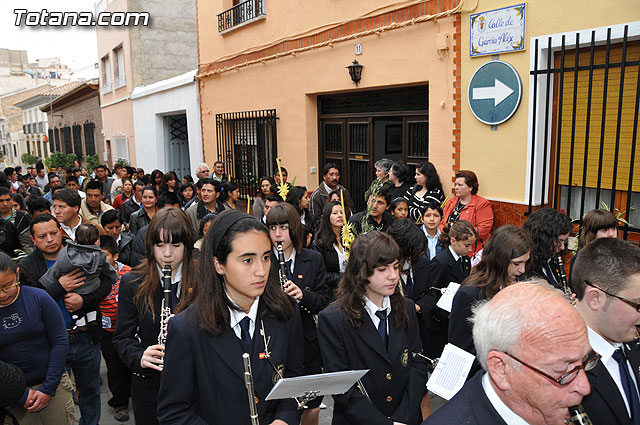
column 121, row 414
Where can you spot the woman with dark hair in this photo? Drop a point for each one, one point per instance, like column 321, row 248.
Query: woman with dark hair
column 17, row 202
column 548, row 230
column 427, row 189
column 187, row 179
column 266, row 184
column 402, row 178
column 33, row 337
column 328, row 242
column 596, row 224
column 238, row 307
column 156, row 179
column 372, row 326
column 143, row 216
column 229, row 195
column 127, row 192
column 298, row 197
column 186, row 193
column 169, row 241
column 334, row 196
column 467, row 205
column 503, row 262
column 306, row 283
column 169, row 182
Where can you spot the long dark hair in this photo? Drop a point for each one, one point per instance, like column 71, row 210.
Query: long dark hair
column 410, row 239
column 325, row 235
column 284, row 213
column 211, row 304
column 543, row 227
column 370, row 250
column 431, row 175
column 271, row 181
column 169, row 175
column 169, row 225
column 296, row 193
column 491, row 274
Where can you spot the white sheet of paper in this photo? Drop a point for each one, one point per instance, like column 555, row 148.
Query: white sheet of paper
column 324, row 383
column 446, row 300
column 451, row 372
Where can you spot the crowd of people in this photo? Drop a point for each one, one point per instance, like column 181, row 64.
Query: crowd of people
column 170, row 281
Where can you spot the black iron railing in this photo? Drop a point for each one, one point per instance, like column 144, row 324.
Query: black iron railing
column 247, row 144
column 242, row 12
column 585, row 126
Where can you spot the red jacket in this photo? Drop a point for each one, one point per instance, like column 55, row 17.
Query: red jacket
column 478, row 211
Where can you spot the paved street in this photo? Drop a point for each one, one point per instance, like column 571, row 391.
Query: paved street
column 107, row 411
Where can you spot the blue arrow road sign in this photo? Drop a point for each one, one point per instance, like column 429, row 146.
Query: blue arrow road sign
column 494, row 92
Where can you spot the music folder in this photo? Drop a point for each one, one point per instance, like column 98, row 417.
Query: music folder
column 315, row 385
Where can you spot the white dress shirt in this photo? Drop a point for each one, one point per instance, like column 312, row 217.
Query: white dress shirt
column 606, row 350
column 372, row 309
column 236, row 316
column 508, row 415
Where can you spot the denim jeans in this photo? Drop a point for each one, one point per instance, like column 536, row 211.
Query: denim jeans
column 84, row 359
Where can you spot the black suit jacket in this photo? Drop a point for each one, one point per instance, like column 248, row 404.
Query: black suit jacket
column 460, row 330
column 203, row 377
column 605, row 405
column 445, row 269
column 470, row 406
column 396, row 379
column 331, row 264
column 310, row 276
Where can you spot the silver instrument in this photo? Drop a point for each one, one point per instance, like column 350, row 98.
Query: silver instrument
column 282, row 272
column 563, row 276
column 248, row 383
column 431, row 363
column 165, row 310
column 578, row 416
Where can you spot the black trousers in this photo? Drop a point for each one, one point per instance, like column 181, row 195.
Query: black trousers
column 144, row 397
column 118, row 376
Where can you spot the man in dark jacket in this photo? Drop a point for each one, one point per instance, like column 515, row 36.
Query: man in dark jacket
column 84, row 347
column 19, row 219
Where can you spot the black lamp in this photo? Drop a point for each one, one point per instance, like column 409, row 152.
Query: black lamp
column 355, row 71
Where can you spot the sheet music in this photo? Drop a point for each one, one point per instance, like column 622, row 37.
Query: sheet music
column 323, row 383
column 446, row 300
column 451, row 372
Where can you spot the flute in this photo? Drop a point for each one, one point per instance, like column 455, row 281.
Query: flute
column 282, row 273
column 165, row 309
column 248, row 383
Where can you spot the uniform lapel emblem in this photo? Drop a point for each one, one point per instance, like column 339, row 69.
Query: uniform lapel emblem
column 405, row 357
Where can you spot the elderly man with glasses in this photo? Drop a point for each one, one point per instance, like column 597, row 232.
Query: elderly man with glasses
column 607, row 286
column 534, row 349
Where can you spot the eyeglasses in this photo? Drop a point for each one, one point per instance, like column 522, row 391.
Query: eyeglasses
column 635, row 305
column 9, row 287
column 567, row 378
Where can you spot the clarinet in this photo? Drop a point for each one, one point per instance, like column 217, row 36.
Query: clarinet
column 282, row 273
column 578, row 416
column 563, row 276
column 248, row 383
column 165, row 310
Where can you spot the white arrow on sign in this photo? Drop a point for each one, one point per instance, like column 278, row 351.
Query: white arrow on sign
column 499, row 92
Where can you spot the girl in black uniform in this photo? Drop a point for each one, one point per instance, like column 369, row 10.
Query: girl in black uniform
column 372, row 326
column 168, row 241
column 236, row 309
column 306, row 283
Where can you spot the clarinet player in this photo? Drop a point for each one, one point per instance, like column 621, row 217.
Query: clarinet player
column 169, row 241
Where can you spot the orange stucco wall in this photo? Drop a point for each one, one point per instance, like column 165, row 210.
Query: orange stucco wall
column 291, row 84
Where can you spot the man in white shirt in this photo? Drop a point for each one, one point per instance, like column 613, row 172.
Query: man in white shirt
column 66, row 207
column 606, row 279
column 533, row 347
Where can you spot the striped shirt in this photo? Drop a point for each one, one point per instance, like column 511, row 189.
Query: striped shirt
column 109, row 306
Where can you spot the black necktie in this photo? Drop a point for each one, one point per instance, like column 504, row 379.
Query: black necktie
column 409, row 283
column 461, row 264
column 174, row 295
column 288, row 267
column 245, row 336
column 382, row 325
column 630, row 390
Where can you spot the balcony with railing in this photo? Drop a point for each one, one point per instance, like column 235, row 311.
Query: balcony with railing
column 241, row 14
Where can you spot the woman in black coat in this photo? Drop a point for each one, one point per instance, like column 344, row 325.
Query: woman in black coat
column 328, row 243
column 305, row 282
column 169, row 242
column 372, row 326
column 504, row 258
column 237, row 309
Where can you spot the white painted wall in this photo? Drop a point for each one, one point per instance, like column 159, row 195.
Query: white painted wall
column 150, row 105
